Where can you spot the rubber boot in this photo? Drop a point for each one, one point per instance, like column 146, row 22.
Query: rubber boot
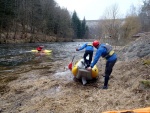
column 104, row 87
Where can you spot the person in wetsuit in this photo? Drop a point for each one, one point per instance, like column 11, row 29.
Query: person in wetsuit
column 88, row 51
column 105, row 51
column 40, row 48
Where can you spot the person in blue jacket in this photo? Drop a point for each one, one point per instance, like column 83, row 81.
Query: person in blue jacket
column 88, row 51
column 105, row 51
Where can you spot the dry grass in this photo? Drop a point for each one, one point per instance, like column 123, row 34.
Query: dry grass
column 44, row 90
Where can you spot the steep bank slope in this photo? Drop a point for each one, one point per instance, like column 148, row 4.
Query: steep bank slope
column 136, row 49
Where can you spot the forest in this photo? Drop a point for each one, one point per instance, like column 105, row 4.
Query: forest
column 29, row 21
column 38, row 21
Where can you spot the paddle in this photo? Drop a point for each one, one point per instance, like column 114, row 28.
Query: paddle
column 70, row 65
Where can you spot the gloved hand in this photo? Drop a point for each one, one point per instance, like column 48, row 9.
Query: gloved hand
column 89, row 68
column 77, row 49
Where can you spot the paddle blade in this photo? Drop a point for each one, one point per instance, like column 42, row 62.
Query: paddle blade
column 70, row 66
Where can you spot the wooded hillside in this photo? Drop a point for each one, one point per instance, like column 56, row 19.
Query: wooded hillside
column 37, row 21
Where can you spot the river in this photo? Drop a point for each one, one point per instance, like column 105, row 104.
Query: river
column 15, row 55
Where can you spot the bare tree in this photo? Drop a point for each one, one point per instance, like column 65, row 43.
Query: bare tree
column 111, row 23
column 145, row 15
column 131, row 24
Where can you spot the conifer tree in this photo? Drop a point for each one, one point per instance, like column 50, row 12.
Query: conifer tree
column 75, row 20
column 79, row 27
column 6, row 12
column 83, row 27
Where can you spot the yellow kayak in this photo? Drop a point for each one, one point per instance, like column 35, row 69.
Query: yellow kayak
column 140, row 110
column 43, row 51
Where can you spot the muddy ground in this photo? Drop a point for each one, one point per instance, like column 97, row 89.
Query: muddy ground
column 50, row 88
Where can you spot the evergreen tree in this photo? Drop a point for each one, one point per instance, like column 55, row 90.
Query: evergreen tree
column 6, row 12
column 83, row 28
column 75, row 20
column 36, row 14
column 79, row 27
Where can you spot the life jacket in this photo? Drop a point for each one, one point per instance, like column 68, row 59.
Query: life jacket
column 109, row 49
column 89, row 47
column 89, row 44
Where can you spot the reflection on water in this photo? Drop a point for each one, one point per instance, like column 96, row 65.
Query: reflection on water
column 19, row 54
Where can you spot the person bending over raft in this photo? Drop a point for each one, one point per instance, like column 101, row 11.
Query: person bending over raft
column 106, row 52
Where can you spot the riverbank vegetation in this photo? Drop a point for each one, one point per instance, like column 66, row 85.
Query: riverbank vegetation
column 124, row 30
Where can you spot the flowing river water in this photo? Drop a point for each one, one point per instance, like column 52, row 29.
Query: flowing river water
column 15, row 55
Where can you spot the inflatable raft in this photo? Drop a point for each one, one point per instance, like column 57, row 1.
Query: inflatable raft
column 83, row 74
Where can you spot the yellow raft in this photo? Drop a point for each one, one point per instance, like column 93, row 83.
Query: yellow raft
column 140, row 110
column 80, row 72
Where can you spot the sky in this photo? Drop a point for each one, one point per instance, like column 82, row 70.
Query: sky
column 94, row 9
